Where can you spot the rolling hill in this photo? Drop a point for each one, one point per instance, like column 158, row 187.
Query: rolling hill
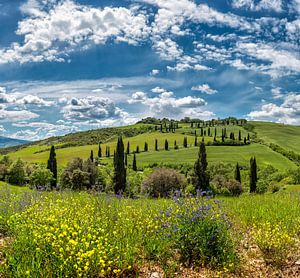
column 6, row 142
column 81, row 144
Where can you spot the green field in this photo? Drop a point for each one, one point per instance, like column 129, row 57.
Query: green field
column 286, row 136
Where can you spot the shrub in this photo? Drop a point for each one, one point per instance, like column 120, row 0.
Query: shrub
column 234, row 187
column 274, row 187
column 40, row 178
column 262, row 187
column 163, row 182
column 17, row 173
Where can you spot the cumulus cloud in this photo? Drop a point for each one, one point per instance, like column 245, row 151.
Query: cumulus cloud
column 204, row 88
column 288, row 112
column 167, row 105
column 34, row 100
column 65, row 26
column 92, row 108
column 16, row 115
column 274, row 5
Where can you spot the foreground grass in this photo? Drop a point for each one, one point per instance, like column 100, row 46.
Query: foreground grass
column 69, row 234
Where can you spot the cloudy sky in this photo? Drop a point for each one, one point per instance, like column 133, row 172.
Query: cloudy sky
column 68, row 65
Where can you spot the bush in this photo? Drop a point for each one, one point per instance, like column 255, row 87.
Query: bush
column 17, row 173
column 234, row 187
column 274, row 187
column 163, row 182
column 262, row 186
column 40, row 178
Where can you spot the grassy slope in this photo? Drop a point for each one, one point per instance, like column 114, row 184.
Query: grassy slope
column 226, row 154
column 284, row 135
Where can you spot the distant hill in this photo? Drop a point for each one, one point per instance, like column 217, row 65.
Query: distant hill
column 10, row 142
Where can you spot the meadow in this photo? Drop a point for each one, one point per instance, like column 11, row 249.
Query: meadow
column 80, row 234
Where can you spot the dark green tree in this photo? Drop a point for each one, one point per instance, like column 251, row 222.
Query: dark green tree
column 253, row 175
column 240, row 136
column 201, row 177
column 134, row 167
column 248, row 137
column 119, row 168
column 128, row 148
column 156, row 145
column 237, row 173
column 196, row 141
column 166, row 145
column 92, row 156
column 185, row 142
column 137, row 149
column 99, row 151
column 52, row 166
column 146, row 147
column 126, row 159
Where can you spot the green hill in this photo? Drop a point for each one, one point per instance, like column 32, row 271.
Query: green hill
column 81, row 144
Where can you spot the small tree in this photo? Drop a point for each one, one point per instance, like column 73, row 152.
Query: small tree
column 92, row 156
column 99, row 151
column 253, row 175
column 240, row 136
column 201, row 178
column 146, row 147
column 196, row 141
column 185, row 142
column 237, row 173
column 128, row 148
column 134, row 167
column 17, row 173
column 92, row 170
column 52, row 166
column 40, row 178
column 137, row 149
column 156, row 145
column 166, row 145
column 119, row 167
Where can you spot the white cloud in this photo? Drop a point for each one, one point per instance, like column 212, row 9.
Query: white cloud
column 204, row 88
column 274, row 5
column 66, row 26
column 35, row 100
column 92, row 108
column 288, row 112
column 280, row 61
column 16, row 115
column 2, row 129
column 276, row 92
column 155, row 72
column 6, row 98
column 167, row 105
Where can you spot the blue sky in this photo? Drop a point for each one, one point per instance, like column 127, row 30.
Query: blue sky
column 69, row 65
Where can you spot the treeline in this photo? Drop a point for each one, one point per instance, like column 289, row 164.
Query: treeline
column 288, row 154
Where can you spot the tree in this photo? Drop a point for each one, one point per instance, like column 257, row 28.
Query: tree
column 185, row 143
column 240, row 136
column 52, row 166
column 40, row 178
column 17, row 173
column 99, row 151
column 126, row 159
column 201, row 178
column 146, row 147
column 248, row 137
column 166, row 145
column 92, row 156
column 137, row 149
column 92, row 170
column 134, row 167
column 196, row 141
column 237, row 173
column 215, row 132
column 79, row 179
column 253, row 175
column 156, row 145
column 128, row 148
column 119, row 168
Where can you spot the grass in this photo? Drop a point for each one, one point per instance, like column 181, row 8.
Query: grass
column 286, row 136
column 72, row 234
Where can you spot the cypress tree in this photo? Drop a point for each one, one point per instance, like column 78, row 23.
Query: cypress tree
column 146, row 147
column 166, row 145
column 134, row 168
column 108, row 151
column 92, row 156
column 119, row 167
column 128, row 148
column 240, row 136
column 99, row 151
column 156, row 145
column 215, row 132
column 248, row 137
column 201, row 178
column 52, row 166
column 137, row 149
column 185, row 144
column 245, row 140
column 253, row 175
column 175, row 144
column 237, row 173
column 201, row 132
column 196, row 141
column 126, row 159
column 208, row 132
